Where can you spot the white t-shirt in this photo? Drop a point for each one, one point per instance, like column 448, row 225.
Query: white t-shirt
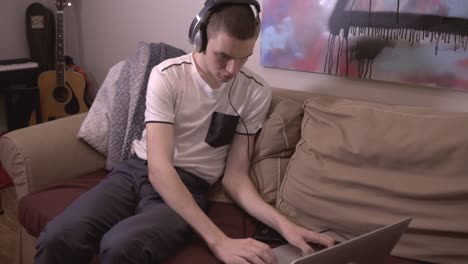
column 204, row 119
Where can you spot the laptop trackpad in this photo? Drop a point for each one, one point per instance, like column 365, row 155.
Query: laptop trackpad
column 287, row 253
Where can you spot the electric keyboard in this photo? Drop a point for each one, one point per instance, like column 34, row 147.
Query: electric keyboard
column 18, row 71
column 18, row 66
column 18, row 83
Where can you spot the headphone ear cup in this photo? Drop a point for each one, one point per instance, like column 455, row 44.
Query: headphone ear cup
column 199, row 41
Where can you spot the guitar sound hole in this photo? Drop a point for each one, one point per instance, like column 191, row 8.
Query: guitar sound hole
column 61, row 94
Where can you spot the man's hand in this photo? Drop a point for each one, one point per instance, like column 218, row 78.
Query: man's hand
column 300, row 237
column 247, row 250
column 239, row 187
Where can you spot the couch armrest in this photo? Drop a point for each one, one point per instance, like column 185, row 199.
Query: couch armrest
column 39, row 156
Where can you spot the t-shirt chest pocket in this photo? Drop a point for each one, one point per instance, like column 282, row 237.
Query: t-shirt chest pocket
column 221, row 130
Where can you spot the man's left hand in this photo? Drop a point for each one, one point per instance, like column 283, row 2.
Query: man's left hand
column 300, row 237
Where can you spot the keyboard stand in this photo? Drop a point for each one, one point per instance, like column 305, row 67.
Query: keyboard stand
column 17, row 100
column 18, row 83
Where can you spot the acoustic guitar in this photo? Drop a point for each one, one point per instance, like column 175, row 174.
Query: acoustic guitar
column 61, row 91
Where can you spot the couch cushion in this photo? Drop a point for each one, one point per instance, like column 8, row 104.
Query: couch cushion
column 361, row 165
column 36, row 209
column 232, row 220
column 274, row 146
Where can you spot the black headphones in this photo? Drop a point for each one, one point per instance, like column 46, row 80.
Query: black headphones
column 197, row 31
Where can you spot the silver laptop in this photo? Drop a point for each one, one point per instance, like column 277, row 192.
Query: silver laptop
column 370, row 248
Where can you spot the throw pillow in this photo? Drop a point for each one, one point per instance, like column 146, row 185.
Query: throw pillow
column 274, row 146
column 361, row 165
column 95, row 127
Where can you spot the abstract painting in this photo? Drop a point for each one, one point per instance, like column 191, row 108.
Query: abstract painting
column 421, row 42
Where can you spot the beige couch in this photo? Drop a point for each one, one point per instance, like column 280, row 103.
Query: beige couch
column 327, row 163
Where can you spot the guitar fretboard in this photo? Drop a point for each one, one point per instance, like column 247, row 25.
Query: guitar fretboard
column 60, row 61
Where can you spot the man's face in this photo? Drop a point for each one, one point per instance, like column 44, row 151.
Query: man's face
column 225, row 55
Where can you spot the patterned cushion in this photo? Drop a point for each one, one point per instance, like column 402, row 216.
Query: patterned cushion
column 94, row 129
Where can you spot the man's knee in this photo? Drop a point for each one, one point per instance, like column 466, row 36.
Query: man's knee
column 54, row 237
column 115, row 247
column 118, row 247
column 57, row 243
column 62, row 238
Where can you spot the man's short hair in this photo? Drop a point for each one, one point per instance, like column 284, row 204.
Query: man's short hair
column 238, row 21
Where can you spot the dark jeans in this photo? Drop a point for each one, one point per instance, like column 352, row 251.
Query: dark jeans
column 123, row 219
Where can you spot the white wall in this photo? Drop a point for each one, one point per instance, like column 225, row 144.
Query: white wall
column 13, row 42
column 101, row 33
column 110, row 30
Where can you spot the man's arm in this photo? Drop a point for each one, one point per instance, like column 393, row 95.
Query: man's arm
column 164, row 178
column 238, row 185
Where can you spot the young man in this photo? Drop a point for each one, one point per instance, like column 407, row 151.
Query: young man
column 202, row 112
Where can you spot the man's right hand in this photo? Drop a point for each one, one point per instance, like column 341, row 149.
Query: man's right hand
column 246, row 250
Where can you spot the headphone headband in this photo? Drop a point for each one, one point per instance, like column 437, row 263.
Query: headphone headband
column 212, row 3
column 198, row 38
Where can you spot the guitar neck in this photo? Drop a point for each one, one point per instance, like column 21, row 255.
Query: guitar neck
column 60, row 48
column 57, row 99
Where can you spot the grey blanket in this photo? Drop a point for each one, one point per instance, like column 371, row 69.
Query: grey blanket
column 128, row 107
